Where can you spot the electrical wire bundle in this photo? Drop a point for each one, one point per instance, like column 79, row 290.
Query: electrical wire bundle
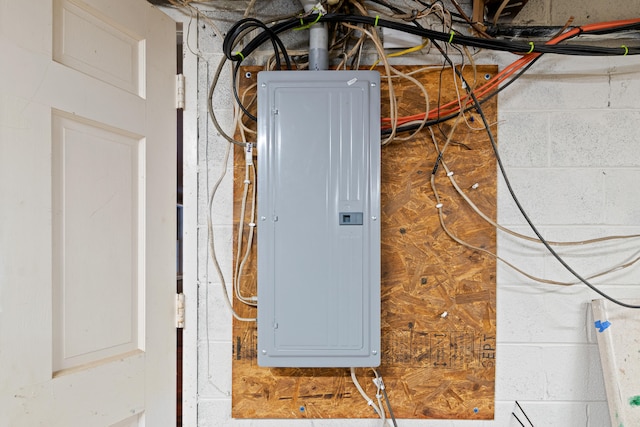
column 509, row 74
column 529, row 53
column 451, row 38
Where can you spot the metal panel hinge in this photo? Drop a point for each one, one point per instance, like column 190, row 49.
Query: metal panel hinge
column 180, row 311
column 180, row 91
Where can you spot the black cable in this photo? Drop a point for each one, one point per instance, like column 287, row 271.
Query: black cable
column 492, row 44
column 434, row 36
column 526, row 217
column 517, row 419
column 546, row 244
column 236, row 31
column 386, row 398
column 241, row 27
column 452, row 37
column 524, row 413
column 494, row 146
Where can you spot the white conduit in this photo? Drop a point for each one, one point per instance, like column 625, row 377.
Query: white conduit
column 318, row 41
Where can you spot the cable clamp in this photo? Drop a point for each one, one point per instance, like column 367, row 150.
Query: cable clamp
column 453, row 33
column 439, row 206
column 248, row 154
column 626, row 49
column 252, row 224
column 532, row 47
column 450, row 173
column 317, row 8
column 238, row 53
column 375, row 23
column 379, row 383
column 370, row 402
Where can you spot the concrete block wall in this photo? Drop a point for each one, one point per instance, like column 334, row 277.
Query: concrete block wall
column 557, row 12
column 569, row 138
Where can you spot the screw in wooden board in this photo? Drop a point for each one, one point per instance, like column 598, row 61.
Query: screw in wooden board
column 403, row 231
column 423, row 280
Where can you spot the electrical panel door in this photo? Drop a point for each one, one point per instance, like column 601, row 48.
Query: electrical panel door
column 318, row 218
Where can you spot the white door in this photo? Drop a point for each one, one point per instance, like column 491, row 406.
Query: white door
column 87, row 214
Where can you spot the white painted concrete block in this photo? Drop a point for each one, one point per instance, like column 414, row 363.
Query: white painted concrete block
column 554, row 414
column 523, row 139
column 523, row 254
column 548, row 372
column 625, row 82
column 553, row 196
column 559, row 84
column 542, row 313
column 223, row 241
column 213, row 314
column 595, row 139
column 214, row 372
column 622, row 195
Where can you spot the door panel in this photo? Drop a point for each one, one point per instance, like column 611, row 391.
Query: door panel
column 87, row 219
column 98, row 180
column 114, row 55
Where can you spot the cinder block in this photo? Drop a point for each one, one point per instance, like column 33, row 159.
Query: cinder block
column 548, row 372
column 553, row 196
column 523, row 139
column 595, row 139
column 523, row 254
column 625, row 82
column 622, row 197
column 214, row 324
column 223, row 241
column 542, row 314
column 591, row 11
column 214, row 372
column 222, row 206
column 554, row 414
column 559, row 83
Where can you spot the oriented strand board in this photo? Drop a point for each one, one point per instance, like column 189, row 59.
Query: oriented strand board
column 438, row 297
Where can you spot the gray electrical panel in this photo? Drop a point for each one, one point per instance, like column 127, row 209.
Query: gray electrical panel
column 319, row 218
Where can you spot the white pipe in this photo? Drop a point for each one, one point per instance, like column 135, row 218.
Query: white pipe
column 318, row 41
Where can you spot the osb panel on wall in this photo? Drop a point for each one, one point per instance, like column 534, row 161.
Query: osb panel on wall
column 438, row 297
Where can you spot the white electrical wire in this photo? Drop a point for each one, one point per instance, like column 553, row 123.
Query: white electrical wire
column 620, row 266
column 240, row 263
column 378, row 408
column 211, row 236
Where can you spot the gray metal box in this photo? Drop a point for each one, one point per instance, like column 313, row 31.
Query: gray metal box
column 319, row 218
